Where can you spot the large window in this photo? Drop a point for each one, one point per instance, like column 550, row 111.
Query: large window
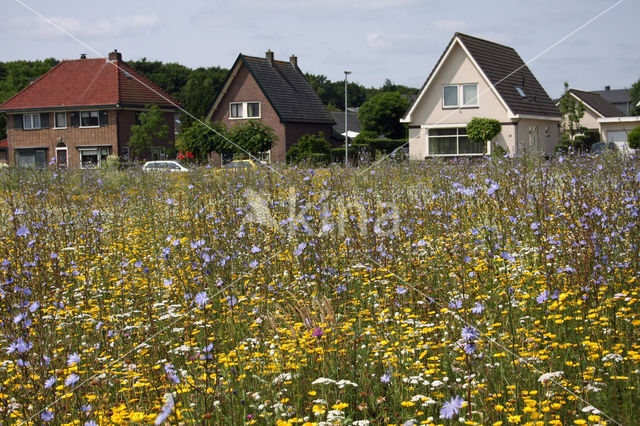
column 92, row 157
column 452, row 94
column 60, row 120
column 244, row 110
column 453, row 141
column 31, row 121
column 89, row 119
column 31, row 157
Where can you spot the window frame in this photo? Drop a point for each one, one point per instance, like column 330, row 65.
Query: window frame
column 460, row 103
column 31, row 121
column 82, row 126
column 461, row 132
column 244, row 110
column 55, row 120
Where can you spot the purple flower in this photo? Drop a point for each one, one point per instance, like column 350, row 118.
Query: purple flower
column 22, row 231
column 253, row 264
column 255, row 249
column 50, row 382
column 232, row 301
column 542, row 297
column 478, row 308
column 506, row 256
column 298, row 251
column 317, row 332
column 386, row 378
column 201, row 299
column 469, row 333
column 470, row 348
column 401, row 290
column 451, row 407
column 91, row 423
column 455, row 304
column 71, row 380
column 341, row 288
column 23, row 346
column 34, row 307
column 74, row 358
column 86, row 408
column 47, row 416
column 166, row 409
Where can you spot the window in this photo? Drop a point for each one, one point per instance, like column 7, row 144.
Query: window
column 61, row 154
column 452, row 93
column 236, row 110
column 31, row 157
column 453, row 141
column 253, row 109
column 31, row 121
column 89, row 119
column 92, row 157
column 60, row 120
column 244, row 110
column 521, row 92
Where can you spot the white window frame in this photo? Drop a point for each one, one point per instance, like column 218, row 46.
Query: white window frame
column 61, row 149
column 29, row 118
column 101, row 151
column 458, row 135
column 55, row 120
column 245, row 110
column 89, row 112
column 460, row 99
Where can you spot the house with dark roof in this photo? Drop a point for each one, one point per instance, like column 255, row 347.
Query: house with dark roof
column 276, row 93
column 479, row 78
column 80, row 112
column 620, row 98
column 337, row 132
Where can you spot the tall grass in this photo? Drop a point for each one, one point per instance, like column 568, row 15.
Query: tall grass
column 474, row 291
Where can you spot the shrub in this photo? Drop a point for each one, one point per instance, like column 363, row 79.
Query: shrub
column 310, row 147
column 633, row 138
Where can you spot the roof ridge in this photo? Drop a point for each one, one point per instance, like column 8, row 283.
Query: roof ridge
column 483, row 40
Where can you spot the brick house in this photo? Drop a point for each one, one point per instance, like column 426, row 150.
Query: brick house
column 80, row 112
column 276, row 93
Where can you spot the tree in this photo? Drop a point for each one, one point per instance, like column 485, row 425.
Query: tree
column 634, row 94
column 152, row 126
column 633, row 138
column 200, row 140
column 252, row 137
column 310, row 147
column 480, row 130
column 572, row 111
column 200, row 90
column 381, row 114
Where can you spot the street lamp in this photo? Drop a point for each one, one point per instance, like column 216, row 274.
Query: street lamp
column 346, row 127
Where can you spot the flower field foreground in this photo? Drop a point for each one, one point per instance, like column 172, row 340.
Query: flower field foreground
column 486, row 292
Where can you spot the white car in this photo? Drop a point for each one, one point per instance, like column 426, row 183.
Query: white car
column 164, row 166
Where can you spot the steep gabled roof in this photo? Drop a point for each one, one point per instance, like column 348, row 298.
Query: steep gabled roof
column 286, row 88
column 505, row 71
column 597, row 103
column 89, row 83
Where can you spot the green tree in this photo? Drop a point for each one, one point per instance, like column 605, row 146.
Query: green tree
column 152, row 126
column 200, row 91
column 633, row 138
column 314, row 148
column 200, row 140
column 634, row 94
column 572, row 111
column 381, row 114
column 252, row 137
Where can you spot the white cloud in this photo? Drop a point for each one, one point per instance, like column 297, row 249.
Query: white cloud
column 40, row 28
column 385, row 41
column 451, row 25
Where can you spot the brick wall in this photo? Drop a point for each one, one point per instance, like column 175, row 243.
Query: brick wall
column 127, row 118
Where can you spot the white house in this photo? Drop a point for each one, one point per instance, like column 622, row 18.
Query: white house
column 479, row 78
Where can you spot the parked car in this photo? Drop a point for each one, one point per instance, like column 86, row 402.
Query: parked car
column 241, row 164
column 164, row 166
column 603, row 146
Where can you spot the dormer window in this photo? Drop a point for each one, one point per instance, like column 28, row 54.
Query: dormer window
column 452, row 94
column 521, row 92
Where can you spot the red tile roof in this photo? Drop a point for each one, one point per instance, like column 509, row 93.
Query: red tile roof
column 88, row 82
column 4, row 143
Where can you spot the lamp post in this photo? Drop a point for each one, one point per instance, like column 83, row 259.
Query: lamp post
column 346, row 127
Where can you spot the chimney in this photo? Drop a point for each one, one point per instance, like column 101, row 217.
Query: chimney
column 115, row 55
column 294, row 61
column 83, row 56
column 607, row 87
column 270, row 57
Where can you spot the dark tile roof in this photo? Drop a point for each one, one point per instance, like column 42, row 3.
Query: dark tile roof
column 615, row 96
column 354, row 122
column 288, row 91
column 597, row 102
column 87, row 83
column 506, row 70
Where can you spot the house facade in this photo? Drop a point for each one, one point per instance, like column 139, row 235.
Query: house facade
column 80, row 112
column 276, row 93
column 479, row 78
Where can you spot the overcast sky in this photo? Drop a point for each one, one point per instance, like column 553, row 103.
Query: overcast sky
column 375, row 39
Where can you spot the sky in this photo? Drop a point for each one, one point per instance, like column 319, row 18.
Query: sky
column 589, row 43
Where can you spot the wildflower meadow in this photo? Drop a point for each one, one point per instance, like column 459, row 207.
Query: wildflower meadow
column 439, row 292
